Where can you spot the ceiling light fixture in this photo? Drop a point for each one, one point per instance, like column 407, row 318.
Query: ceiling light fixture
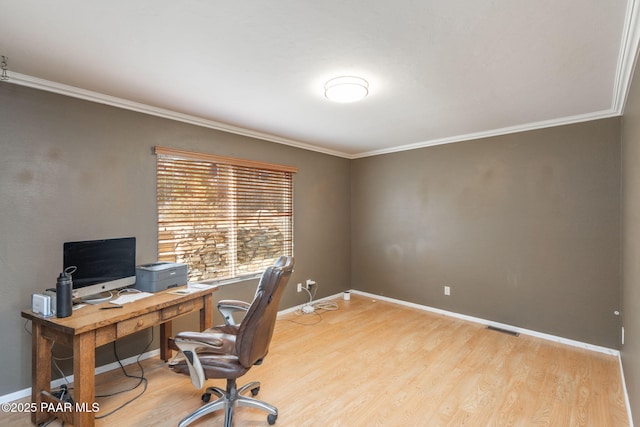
column 346, row 89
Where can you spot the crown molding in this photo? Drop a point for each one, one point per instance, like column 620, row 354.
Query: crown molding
column 627, row 56
column 495, row 132
column 100, row 98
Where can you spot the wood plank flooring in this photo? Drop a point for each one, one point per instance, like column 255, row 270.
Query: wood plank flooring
column 374, row 363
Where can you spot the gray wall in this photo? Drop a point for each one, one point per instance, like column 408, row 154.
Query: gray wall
column 631, row 243
column 523, row 227
column 76, row 170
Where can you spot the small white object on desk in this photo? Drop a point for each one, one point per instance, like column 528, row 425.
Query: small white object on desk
column 191, row 287
column 130, row 297
column 199, row 286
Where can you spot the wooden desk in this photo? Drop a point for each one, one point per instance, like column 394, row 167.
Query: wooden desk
column 89, row 327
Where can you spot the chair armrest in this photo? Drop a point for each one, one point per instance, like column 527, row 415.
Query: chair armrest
column 228, row 307
column 189, row 343
column 202, row 339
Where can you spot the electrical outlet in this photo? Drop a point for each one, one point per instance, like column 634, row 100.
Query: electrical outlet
column 299, row 287
column 447, row 290
column 310, row 284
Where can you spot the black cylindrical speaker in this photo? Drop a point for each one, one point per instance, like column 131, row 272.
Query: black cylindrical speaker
column 64, row 302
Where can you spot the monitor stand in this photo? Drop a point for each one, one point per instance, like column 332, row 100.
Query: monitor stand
column 97, row 298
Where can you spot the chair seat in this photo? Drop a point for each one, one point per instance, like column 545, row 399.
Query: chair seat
column 216, row 354
column 214, row 367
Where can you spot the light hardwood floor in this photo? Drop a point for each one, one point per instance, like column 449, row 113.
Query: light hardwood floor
column 374, row 363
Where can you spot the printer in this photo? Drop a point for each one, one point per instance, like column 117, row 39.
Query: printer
column 159, row 276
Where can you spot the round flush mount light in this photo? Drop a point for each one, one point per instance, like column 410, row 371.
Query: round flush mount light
column 346, row 89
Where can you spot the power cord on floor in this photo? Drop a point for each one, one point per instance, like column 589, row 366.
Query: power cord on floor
column 141, row 378
column 313, row 309
column 326, row 305
column 317, row 318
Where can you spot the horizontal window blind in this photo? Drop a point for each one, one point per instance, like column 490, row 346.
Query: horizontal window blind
column 223, row 217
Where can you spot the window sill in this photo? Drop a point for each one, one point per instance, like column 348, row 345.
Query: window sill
column 225, row 282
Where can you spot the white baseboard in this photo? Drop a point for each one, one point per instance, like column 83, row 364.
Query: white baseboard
column 626, row 395
column 69, row 379
column 523, row 331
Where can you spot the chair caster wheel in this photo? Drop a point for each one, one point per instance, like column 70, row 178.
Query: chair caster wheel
column 255, row 391
column 206, row 397
column 271, row 419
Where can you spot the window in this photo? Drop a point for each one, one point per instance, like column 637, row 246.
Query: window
column 223, row 217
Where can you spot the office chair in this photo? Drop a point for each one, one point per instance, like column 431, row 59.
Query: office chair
column 230, row 350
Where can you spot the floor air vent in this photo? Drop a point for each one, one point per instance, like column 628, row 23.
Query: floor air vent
column 504, row 331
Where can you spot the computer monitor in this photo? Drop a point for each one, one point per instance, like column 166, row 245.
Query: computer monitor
column 101, row 265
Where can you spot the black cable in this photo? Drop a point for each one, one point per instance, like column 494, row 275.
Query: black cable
column 126, row 374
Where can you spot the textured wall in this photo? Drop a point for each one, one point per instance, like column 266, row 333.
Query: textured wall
column 76, row 170
column 523, row 227
column 631, row 244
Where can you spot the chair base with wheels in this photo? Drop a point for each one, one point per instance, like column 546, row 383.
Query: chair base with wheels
column 229, row 398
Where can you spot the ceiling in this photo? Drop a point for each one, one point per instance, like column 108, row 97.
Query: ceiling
column 438, row 71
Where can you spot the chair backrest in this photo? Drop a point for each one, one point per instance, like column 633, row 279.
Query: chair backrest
column 256, row 329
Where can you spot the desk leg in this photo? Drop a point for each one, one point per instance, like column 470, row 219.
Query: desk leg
column 206, row 314
column 165, row 334
column 84, row 383
column 40, row 371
